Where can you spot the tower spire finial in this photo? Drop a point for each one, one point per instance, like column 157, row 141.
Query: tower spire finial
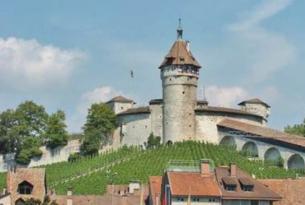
column 179, row 30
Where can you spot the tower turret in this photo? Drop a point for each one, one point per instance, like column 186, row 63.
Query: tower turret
column 179, row 75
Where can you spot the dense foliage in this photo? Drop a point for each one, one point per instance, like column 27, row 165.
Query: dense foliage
column 56, row 133
column 2, row 180
column 298, row 129
column 153, row 141
column 101, row 121
column 137, row 164
column 24, row 129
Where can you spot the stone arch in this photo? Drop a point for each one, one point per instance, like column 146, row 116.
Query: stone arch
column 228, row 141
column 295, row 161
column 20, row 201
column 250, row 149
column 273, row 156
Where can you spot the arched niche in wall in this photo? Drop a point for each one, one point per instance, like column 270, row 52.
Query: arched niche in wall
column 250, row 149
column 296, row 161
column 228, row 141
column 273, row 157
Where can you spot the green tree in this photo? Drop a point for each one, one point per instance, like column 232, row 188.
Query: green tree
column 100, row 123
column 8, row 137
column 29, row 149
column 31, row 118
column 153, row 141
column 56, row 133
column 297, row 129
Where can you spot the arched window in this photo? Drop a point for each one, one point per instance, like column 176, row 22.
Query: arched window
column 250, row 149
column 273, row 157
column 25, row 188
column 296, row 162
column 228, row 141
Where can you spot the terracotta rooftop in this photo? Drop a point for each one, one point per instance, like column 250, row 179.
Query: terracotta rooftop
column 263, row 132
column 98, row 200
column 184, row 183
column 155, row 183
column 138, row 110
column 260, row 192
column 179, row 55
column 120, row 99
column 254, row 101
column 292, row 190
column 225, row 110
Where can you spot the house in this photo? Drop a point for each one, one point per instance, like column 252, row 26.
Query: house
column 209, row 186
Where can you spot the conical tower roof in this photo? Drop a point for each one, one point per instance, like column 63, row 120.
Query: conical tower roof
column 180, row 53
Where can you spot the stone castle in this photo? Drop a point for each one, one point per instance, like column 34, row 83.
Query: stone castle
column 179, row 116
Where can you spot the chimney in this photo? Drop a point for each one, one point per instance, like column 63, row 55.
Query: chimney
column 205, row 167
column 233, row 170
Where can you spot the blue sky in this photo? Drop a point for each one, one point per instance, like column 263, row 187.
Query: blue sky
column 68, row 54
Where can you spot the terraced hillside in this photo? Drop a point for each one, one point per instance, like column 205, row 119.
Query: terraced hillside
column 91, row 175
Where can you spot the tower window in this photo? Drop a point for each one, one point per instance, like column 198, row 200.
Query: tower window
column 183, row 92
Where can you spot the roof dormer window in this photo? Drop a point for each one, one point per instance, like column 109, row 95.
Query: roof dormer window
column 229, row 183
column 246, row 184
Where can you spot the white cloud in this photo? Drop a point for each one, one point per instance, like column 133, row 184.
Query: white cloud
column 26, row 63
column 225, row 96
column 99, row 94
column 263, row 11
column 266, row 52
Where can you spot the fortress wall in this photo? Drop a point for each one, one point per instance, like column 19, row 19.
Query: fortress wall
column 206, row 124
column 56, row 155
column 135, row 128
column 48, row 156
column 156, row 119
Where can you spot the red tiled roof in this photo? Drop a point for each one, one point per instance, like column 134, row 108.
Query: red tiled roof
column 120, row 99
column 138, row 110
column 260, row 192
column 185, row 183
column 292, row 190
column 263, row 132
column 179, row 55
column 225, row 110
column 254, row 101
column 99, row 200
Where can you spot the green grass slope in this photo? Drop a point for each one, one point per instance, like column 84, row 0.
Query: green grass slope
column 143, row 164
column 91, row 175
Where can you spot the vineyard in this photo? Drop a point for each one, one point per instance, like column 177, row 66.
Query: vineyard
column 91, row 175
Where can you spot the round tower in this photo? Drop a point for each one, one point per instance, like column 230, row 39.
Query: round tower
column 179, row 75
